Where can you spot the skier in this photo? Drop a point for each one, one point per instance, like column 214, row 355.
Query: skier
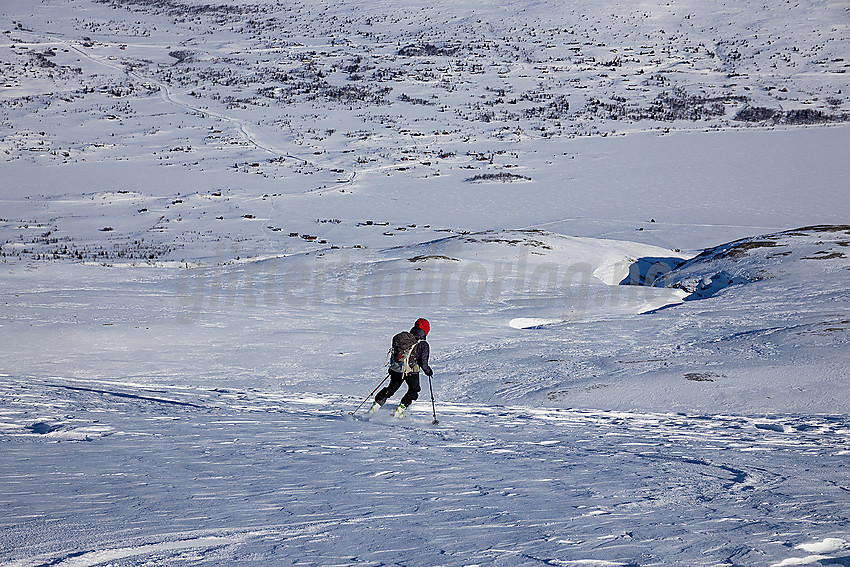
column 409, row 355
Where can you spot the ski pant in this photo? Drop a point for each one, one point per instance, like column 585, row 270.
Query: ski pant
column 396, row 380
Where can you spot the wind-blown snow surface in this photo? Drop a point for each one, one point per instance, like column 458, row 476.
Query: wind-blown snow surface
column 228, row 476
column 213, row 217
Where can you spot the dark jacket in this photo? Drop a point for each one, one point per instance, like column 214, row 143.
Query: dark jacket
column 423, row 351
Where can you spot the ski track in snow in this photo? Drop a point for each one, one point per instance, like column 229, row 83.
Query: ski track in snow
column 164, row 474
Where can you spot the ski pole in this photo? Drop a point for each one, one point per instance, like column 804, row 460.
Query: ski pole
column 433, row 407
column 370, row 395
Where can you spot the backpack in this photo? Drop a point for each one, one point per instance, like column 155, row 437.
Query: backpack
column 403, row 353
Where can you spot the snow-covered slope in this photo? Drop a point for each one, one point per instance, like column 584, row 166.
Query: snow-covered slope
column 817, row 254
column 226, row 476
column 215, row 214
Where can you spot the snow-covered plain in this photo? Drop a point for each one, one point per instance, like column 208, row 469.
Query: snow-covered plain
column 214, row 215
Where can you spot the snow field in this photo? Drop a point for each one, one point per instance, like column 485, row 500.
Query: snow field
column 214, row 215
column 503, row 485
column 215, row 458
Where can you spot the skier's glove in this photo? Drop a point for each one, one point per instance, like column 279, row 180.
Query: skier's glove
column 429, row 372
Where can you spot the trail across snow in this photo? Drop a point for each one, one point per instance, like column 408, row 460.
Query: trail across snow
column 245, row 130
column 163, row 474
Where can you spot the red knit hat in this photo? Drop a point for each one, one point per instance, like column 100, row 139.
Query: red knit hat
column 423, row 324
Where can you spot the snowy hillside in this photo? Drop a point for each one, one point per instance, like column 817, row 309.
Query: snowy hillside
column 816, row 253
column 626, row 223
